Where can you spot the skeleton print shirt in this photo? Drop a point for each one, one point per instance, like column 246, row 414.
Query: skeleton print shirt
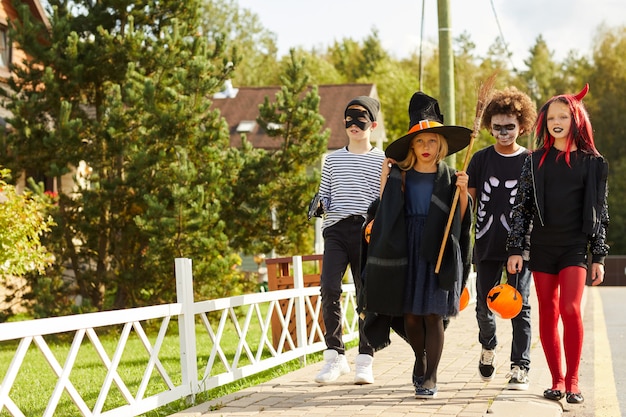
column 495, row 178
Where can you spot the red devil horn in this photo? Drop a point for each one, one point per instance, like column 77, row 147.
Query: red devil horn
column 582, row 93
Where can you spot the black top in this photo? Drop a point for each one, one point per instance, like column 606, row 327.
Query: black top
column 495, row 178
column 565, row 188
column 566, row 205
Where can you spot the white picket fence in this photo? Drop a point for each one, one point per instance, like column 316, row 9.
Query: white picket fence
column 249, row 315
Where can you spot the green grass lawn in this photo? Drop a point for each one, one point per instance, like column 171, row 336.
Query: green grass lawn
column 36, row 380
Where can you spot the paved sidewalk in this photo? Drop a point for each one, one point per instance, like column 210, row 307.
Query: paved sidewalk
column 461, row 390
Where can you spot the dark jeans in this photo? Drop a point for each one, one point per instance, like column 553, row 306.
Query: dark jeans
column 488, row 275
column 342, row 246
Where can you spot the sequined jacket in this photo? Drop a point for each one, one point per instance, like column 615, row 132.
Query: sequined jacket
column 529, row 204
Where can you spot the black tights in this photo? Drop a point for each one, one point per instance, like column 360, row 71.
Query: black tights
column 425, row 334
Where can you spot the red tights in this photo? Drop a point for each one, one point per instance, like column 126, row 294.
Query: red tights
column 560, row 295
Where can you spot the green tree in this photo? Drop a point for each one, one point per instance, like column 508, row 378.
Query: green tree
column 542, row 72
column 358, row 61
column 395, row 83
column 242, row 32
column 23, row 220
column 276, row 187
column 573, row 74
column 23, row 223
column 319, row 69
column 124, row 87
column 607, row 107
column 466, row 78
column 469, row 73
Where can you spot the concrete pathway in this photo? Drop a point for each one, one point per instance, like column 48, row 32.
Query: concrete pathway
column 461, row 390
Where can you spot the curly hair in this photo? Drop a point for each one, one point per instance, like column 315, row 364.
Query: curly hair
column 513, row 102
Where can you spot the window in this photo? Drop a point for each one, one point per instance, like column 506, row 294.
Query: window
column 246, row 126
column 5, row 48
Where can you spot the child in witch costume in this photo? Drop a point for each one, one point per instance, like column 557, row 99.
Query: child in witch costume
column 562, row 192
column 417, row 191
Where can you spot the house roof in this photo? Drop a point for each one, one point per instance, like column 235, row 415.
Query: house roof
column 8, row 12
column 241, row 109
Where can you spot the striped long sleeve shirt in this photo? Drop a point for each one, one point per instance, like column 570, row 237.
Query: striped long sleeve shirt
column 349, row 184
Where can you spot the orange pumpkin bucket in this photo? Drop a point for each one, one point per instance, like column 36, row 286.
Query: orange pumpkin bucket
column 368, row 231
column 504, row 301
column 465, row 297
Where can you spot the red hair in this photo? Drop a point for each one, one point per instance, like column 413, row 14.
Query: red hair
column 580, row 134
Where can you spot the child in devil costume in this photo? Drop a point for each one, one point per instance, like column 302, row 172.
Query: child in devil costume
column 563, row 193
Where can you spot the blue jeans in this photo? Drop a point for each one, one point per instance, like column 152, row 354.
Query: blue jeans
column 488, row 275
column 342, row 246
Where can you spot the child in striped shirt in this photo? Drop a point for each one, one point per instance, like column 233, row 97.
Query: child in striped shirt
column 350, row 182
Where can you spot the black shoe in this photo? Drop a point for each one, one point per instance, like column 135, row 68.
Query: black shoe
column 553, row 394
column 573, row 398
column 485, row 366
column 425, row 393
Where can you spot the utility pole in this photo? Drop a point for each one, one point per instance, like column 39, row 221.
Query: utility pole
column 446, row 68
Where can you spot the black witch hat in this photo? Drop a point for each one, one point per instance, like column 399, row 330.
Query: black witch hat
column 425, row 116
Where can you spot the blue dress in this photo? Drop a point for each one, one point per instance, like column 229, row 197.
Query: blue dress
column 422, row 293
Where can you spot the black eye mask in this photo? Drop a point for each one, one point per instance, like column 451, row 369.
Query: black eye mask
column 355, row 114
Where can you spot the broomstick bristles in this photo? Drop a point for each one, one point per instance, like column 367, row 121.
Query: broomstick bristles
column 484, row 95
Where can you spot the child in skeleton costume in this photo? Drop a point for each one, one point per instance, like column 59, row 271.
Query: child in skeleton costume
column 493, row 178
column 562, row 191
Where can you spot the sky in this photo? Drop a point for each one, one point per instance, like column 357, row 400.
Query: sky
column 564, row 24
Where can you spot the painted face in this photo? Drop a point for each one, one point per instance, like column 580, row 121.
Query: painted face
column 505, row 129
column 426, row 147
column 559, row 120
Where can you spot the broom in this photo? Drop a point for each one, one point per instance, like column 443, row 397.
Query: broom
column 484, row 93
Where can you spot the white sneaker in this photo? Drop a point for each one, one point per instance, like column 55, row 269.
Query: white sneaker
column 335, row 365
column 363, row 364
column 518, row 378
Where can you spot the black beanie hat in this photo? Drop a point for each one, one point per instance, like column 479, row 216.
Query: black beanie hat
column 370, row 104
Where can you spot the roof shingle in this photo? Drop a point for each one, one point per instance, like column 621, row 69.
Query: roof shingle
column 333, row 99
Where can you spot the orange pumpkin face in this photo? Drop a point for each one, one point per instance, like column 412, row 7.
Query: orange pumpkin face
column 465, row 297
column 368, row 231
column 504, row 301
